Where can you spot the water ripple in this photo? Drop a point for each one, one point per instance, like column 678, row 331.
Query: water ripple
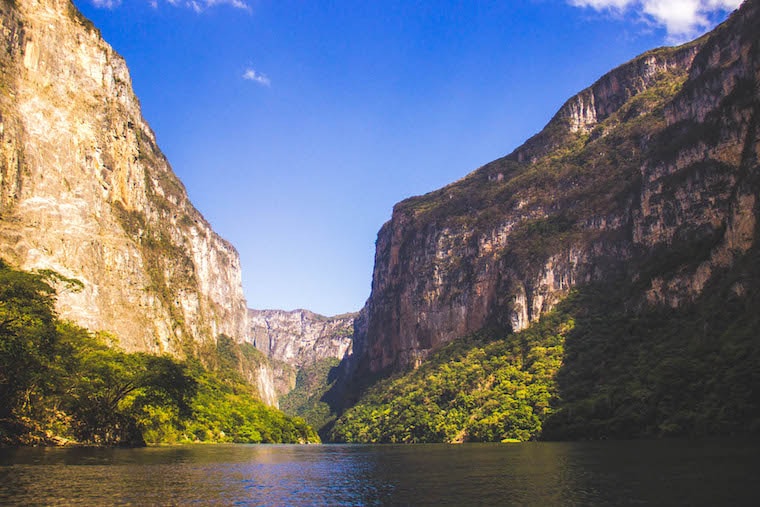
column 606, row 473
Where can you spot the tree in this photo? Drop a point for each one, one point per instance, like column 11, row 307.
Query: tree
column 114, row 388
column 27, row 340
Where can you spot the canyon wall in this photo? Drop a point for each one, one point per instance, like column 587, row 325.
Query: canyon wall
column 300, row 337
column 85, row 191
column 649, row 175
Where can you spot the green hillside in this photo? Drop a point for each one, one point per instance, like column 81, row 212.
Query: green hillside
column 591, row 369
column 62, row 384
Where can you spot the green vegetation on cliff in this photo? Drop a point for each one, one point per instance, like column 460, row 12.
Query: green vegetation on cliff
column 306, row 399
column 61, row 383
column 598, row 366
column 633, row 219
column 475, row 389
column 660, row 371
column 224, row 410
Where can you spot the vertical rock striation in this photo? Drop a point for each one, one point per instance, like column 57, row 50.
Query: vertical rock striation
column 85, row 190
column 300, row 337
column 298, row 340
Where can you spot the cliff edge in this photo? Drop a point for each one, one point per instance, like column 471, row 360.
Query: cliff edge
column 85, row 191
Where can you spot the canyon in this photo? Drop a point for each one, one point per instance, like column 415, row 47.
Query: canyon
column 647, row 180
column 298, row 339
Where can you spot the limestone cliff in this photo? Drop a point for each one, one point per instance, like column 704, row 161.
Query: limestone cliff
column 299, row 338
column 85, row 190
column 649, row 175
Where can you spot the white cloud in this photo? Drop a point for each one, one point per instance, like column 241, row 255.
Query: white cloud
column 106, row 4
column 202, row 5
column 682, row 19
column 252, row 75
column 238, row 4
column 196, row 5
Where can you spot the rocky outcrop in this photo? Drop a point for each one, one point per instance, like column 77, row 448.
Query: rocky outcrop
column 598, row 102
column 297, row 340
column 300, row 337
column 266, row 384
column 85, row 191
column 650, row 175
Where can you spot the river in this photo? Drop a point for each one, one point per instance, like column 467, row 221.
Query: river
column 667, row 472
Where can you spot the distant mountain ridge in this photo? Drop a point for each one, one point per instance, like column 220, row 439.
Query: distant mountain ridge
column 300, row 337
column 303, row 347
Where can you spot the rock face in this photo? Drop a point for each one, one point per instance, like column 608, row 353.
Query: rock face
column 300, row 337
column 651, row 174
column 85, row 190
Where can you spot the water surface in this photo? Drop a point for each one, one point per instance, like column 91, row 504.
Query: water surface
column 716, row 472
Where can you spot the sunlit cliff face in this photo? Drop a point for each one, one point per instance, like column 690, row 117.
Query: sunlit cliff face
column 652, row 159
column 86, row 191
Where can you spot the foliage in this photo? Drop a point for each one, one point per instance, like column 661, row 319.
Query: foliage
column 475, row 389
column 229, row 358
column 113, row 391
column 306, row 399
column 661, row 371
column 603, row 364
column 27, row 341
column 59, row 382
column 227, row 411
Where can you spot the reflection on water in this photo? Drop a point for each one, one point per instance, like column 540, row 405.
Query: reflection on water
column 608, row 473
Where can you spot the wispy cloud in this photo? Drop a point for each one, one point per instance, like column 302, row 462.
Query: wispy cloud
column 682, row 19
column 256, row 77
column 196, row 5
column 202, row 5
column 106, row 4
column 238, row 4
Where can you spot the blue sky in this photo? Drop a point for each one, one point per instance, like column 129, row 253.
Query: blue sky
column 296, row 125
